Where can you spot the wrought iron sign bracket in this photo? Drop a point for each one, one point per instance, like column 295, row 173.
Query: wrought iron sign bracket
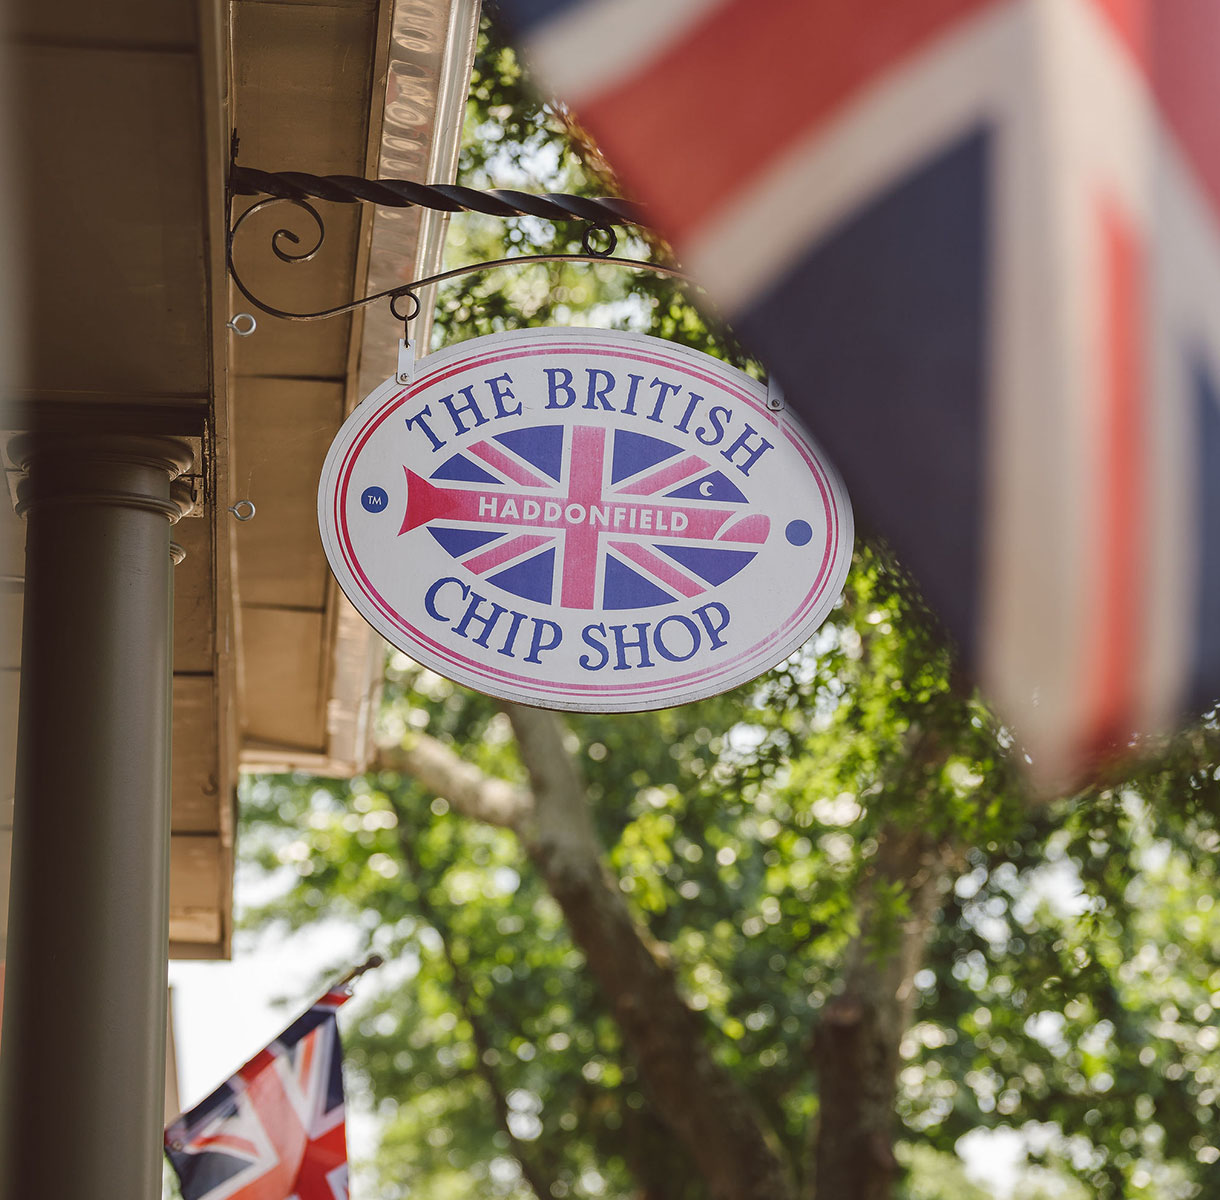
column 299, row 190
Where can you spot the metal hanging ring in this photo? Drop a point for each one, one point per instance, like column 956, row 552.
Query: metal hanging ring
column 406, row 294
column 242, row 324
column 243, row 510
column 595, row 231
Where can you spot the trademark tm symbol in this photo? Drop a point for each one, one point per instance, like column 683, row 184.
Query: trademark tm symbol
column 375, row 499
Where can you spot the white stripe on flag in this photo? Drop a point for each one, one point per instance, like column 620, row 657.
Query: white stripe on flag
column 588, row 48
column 896, row 124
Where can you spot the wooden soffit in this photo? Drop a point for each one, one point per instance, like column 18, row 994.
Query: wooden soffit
column 352, row 88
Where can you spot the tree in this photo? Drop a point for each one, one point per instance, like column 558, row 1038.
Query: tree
column 673, row 772
column 757, row 921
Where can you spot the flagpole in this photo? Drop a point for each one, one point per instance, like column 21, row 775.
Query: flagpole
column 370, row 964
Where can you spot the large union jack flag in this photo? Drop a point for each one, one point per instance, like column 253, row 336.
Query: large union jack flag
column 978, row 242
column 274, row 1130
column 585, row 517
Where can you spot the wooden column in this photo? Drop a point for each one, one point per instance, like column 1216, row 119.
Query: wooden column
column 82, row 1064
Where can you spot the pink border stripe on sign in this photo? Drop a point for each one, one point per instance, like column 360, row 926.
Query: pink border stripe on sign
column 445, row 653
column 669, row 687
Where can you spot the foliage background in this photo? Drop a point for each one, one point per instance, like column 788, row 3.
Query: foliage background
column 1068, row 981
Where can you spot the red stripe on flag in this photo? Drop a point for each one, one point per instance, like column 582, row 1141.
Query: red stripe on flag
column 1112, row 661
column 586, row 477
column 225, row 1141
column 718, row 106
column 1130, row 21
column 1187, row 39
column 659, row 567
column 502, row 553
column 1176, row 44
column 262, row 1059
column 673, row 473
column 506, row 466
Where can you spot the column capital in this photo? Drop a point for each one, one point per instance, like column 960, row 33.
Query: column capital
column 133, row 471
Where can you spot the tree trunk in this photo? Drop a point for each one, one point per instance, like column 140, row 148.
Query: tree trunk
column 856, row 1046
column 659, row 1164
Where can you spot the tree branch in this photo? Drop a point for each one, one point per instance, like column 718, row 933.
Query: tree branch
column 855, row 1049
column 856, row 1046
column 463, row 785
column 531, row 1169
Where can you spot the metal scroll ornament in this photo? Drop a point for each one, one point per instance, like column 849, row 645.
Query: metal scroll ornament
column 297, row 191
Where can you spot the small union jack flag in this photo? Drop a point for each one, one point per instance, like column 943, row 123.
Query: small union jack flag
column 583, row 517
column 274, row 1130
column 978, row 242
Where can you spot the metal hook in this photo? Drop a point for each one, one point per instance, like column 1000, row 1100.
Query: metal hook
column 235, row 323
column 593, row 231
column 406, row 347
column 243, row 510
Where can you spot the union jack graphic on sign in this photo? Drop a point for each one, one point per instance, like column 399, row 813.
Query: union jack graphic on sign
column 653, row 523
column 275, row 1130
column 583, row 519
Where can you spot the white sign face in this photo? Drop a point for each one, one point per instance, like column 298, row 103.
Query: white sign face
column 584, row 520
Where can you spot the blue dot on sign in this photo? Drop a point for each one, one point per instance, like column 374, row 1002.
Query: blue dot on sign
column 375, row 499
column 798, row 532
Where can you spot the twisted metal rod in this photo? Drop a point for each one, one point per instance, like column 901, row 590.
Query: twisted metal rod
column 401, row 193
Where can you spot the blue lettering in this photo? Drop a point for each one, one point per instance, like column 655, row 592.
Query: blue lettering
column 622, row 644
column 664, row 391
column 595, row 393
column 600, row 647
column 537, row 646
column 507, row 648
column 716, row 423
column 714, row 630
column 488, row 620
column 484, row 616
column 418, row 419
column 500, row 394
column 753, row 454
column 690, row 411
column 555, row 385
column 675, row 638
column 629, row 407
column 430, row 596
column 692, row 631
column 456, row 410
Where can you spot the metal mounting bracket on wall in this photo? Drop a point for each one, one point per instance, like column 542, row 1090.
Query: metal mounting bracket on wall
column 298, row 190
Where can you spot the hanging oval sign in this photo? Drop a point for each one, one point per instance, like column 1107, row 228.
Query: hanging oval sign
column 584, row 520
